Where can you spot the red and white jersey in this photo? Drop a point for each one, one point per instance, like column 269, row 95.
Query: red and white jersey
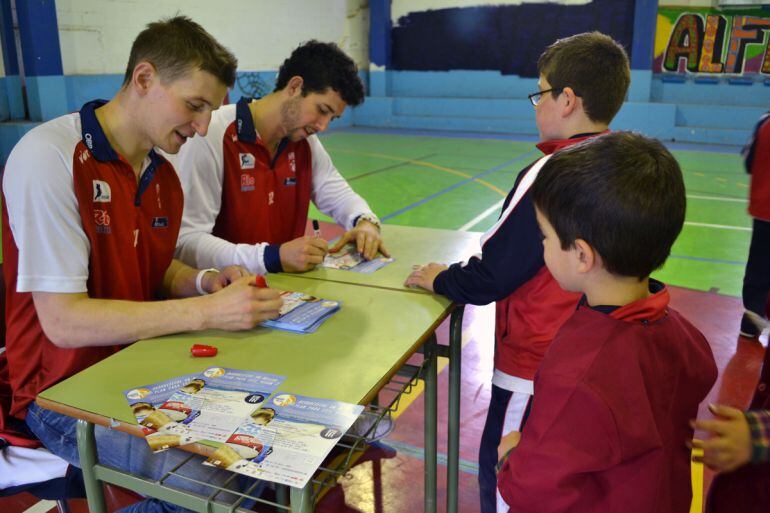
column 75, row 220
column 240, row 204
column 757, row 155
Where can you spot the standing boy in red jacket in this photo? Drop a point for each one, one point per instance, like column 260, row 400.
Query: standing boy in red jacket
column 625, row 374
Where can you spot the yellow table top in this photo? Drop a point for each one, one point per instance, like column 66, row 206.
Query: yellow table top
column 349, row 358
column 409, row 246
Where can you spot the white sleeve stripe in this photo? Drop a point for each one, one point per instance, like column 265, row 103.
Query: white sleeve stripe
column 51, row 284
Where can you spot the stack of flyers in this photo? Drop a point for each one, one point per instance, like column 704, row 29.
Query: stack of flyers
column 286, row 440
column 302, row 313
column 208, row 407
column 349, row 259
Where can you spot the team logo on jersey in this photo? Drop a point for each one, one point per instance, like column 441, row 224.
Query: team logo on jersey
column 102, row 193
column 102, row 221
column 292, row 180
column 247, row 160
column 292, row 162
column 248, row 182
column 160, row 222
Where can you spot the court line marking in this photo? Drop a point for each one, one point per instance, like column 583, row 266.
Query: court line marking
column 476, row 220
column 386, row 168
column 708, row 260
column 418, row 453
column 41, row 507
column 717, row 198
column 428, row 165
column 719, row 226
column 459, row 184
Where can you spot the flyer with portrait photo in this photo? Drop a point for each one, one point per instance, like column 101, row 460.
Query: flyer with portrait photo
column 349, row 259
column 302, row 313
column 208, row 407
column 145, row 400
column 287, row 439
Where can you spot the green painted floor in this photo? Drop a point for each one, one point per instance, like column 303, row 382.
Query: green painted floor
column 443, row 182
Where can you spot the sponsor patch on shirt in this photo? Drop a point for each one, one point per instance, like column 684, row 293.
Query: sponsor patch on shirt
column 248, row 182
column 102, row 221
column 247, row 160
column 290, row 181
column 102, row 192
column 160, row 222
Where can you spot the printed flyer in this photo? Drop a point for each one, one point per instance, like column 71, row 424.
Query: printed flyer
column 208, row 407
column 349, row 259
column 302, row 313
column 147, row 400
column 287, row 439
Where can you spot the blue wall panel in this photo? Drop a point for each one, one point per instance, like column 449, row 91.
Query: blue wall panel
column 84, row 88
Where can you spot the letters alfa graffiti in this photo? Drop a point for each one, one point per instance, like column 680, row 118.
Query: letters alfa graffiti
column 701, row 43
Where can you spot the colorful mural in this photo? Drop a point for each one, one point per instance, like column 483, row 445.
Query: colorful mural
column 712, row 42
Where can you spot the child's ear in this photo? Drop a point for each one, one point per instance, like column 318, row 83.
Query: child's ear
column 587, row 258
column 570, row 101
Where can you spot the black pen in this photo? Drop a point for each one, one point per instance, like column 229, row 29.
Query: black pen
column 316, row 228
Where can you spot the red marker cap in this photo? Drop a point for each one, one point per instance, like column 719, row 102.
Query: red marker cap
column 203, row 350
column 259, row 281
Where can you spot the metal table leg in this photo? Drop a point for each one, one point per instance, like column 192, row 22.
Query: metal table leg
column 281, row 496
column 88, row 458
column 431, row 459
column 302, row 499
column 453, row 438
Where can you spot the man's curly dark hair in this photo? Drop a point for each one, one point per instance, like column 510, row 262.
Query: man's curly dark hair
column 323, row 66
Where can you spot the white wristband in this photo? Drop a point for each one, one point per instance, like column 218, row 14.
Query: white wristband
column 199, row 280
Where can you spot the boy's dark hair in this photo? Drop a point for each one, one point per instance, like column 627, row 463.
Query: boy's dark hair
column 178, row 45
column 595, row 66
column 321, row 66
column 622, row 193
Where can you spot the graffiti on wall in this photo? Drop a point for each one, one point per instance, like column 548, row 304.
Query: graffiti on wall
column 712, row 42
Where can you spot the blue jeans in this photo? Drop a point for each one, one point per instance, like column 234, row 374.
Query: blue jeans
column 131, row 454
column 756, row 281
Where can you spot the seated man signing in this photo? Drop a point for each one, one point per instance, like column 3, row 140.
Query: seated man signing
column 248, row 183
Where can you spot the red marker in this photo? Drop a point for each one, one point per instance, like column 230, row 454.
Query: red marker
column 199, row 350
column 259, row 281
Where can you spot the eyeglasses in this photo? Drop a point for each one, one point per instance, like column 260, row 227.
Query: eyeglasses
column 535, row 97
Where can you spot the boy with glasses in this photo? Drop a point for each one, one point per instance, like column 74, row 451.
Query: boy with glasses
column 582, row 84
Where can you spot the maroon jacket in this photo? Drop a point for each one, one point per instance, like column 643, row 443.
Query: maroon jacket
column 613, row 400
